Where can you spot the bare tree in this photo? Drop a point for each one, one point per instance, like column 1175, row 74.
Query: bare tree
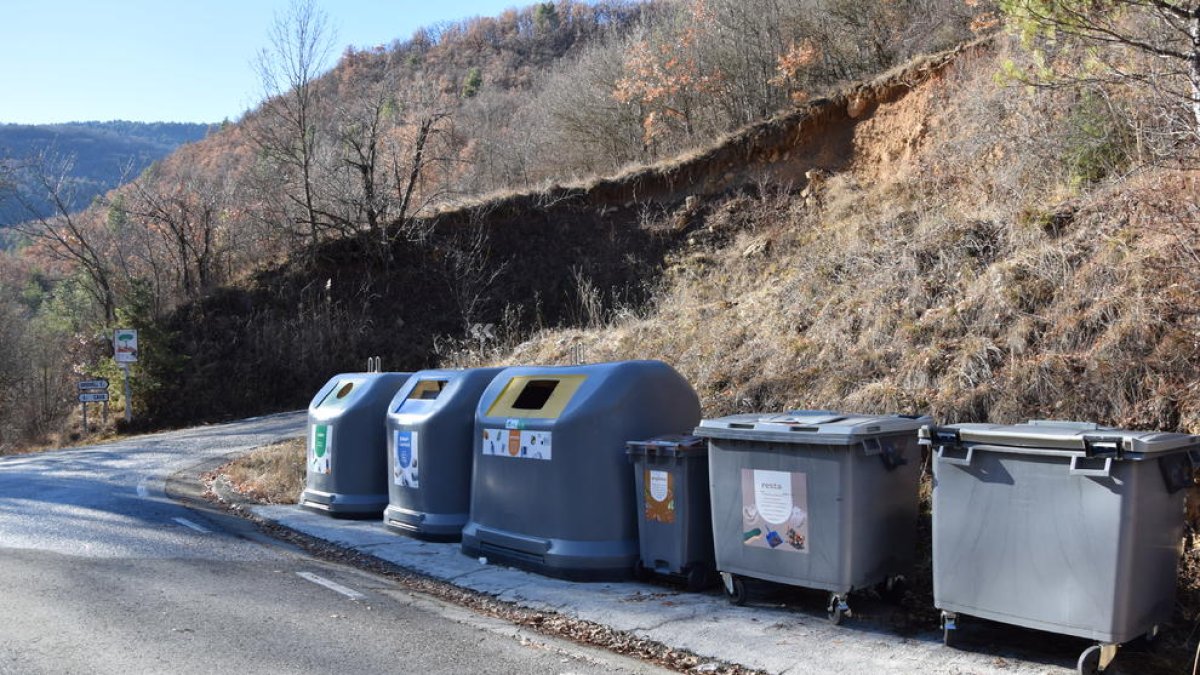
column 184, row 213
column 64, row 232
column 384, row 133
column 470, row 272
column 288, row 132
column 1166, row 31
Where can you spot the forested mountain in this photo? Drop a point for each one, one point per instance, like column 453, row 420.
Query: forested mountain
column 104, row 154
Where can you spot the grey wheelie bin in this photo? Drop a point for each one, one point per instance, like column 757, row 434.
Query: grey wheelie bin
column 551, row 489
column 430, row 436
column 1065, row 527
column 675, row 516
column 346, row 473
column 812, row 498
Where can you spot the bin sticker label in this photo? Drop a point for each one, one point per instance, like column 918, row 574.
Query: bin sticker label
column 775, row 510
column 517, row 443
column 404, row 469
column 659, row 496
column 319, row 448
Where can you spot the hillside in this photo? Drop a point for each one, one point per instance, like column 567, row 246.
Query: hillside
column 105, row 154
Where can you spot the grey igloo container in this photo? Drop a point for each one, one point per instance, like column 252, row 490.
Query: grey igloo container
column 346, row 473
column 551, row 489
column 430, row 438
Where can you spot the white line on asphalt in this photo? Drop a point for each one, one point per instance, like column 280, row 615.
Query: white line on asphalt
column 331, row 585
column 187, row 523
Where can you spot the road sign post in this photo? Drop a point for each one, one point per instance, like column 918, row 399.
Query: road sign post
column 93, row 391
column 128, row 395
column 125, row 352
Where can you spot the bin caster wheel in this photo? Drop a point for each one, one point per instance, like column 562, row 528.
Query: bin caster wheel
column 698, row 577
column 838, row 610
column 1096, row 659
column 949, row 626
column 1089, row 661
column 736, row 590
column 640, row 573
column 894, row 588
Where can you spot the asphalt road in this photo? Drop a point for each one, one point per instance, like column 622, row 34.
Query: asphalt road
column 101, row 572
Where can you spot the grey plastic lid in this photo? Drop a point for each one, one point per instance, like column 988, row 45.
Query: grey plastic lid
column 1069, row 438
column 669, row 445
column 824, row 427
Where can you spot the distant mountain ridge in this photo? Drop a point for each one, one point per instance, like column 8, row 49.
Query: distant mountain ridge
column 104, row 152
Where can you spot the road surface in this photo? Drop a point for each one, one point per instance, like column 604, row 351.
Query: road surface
column 101, row 572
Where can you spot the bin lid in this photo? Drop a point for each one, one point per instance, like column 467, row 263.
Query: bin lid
column 821, row 427
column 668, row 445
column 1068, row 438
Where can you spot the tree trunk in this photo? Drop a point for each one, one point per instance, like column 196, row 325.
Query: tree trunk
column 1194, row 71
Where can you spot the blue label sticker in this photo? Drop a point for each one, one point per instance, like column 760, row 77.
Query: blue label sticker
column 404, row 448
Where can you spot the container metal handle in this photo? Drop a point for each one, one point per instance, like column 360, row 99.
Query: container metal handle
column 958, row 461
column 1091, row 473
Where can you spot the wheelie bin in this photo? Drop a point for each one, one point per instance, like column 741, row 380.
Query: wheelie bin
column 674, row 512
column 1067, row 527
column 813, row 498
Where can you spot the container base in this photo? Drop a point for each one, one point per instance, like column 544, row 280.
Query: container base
column 342, row 506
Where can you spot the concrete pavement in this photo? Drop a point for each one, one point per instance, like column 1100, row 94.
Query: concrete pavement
column 763, row 636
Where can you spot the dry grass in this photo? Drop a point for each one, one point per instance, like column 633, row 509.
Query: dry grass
column 938, row 275
column 272, row 474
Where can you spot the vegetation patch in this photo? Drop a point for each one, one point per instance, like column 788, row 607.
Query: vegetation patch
column 272, row 474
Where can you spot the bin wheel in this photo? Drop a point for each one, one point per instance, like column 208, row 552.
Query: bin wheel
column 838, row 610
column 894, row 588
column 1089, row 661
column 640, row 573
column 949, row 627
column 836, row 615
column 737, row 595
column 699, row 577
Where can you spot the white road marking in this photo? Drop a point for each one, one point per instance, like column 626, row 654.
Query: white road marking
column 187, row 523
column 331, row 585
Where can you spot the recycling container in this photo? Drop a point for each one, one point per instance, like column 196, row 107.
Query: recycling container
column 819, row 499
column 346, row 473
column 430, row 437
column 1067, row 527
column 674, row 514
column 551, row 489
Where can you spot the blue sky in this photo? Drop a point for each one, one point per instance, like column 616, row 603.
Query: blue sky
column 172, row 60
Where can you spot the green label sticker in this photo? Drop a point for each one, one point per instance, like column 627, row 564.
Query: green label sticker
column 319, row 457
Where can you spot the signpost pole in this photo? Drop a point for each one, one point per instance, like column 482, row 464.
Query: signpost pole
column 85, row 426
column 128, row 395
column 125, row 352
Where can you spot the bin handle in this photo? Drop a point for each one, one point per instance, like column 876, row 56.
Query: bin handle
column 891, row 457
column 1091, row 473
column 958, row 461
